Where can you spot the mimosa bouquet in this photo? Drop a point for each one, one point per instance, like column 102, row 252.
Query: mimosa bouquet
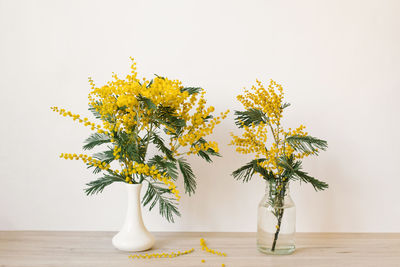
column 137, row 114
column 278, row 151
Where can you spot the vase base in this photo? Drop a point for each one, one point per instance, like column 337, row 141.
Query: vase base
column 133, row 242
column 133, row 236
column 277, row 251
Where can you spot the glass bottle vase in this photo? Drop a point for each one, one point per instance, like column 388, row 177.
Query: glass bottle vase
column 276, row 226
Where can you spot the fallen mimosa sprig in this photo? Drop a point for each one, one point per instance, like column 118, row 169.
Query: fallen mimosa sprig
column 161, row 255
column 212, row 251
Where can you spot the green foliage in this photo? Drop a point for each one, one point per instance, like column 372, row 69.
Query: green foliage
column 189, row 178
column 293, row 170
column 136, row 150
column 205, row 154
column 192, row 90
column 159, row 143
column 208, row 117
column 105, row 156
column 246, row 172
column 285, row 105
column 158, row 76
column 165, row 166
column 155, row 193
column 97, row 186
column 248, row 117
column 97, row 114
column 317, row 184
column 147, row 102
column 96, row 139
column 167, row 116
column 306, row 143
column 150, row 83
column 94, row 112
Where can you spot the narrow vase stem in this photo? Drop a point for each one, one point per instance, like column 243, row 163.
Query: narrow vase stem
column 133, row 236
column 278, row 229
column 281, row 197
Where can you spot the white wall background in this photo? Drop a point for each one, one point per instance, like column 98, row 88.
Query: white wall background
column 339, row 62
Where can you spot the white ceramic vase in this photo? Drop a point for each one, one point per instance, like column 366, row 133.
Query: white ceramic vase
column 133, row 235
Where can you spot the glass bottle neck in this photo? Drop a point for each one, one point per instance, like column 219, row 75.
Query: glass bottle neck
column 277, row 194
column 276, row 187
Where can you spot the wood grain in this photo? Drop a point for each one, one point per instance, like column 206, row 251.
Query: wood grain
column 42, row 248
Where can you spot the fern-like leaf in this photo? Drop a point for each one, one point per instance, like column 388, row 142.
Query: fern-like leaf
column 248, row 117
column 97, row 186
column 192, row 90
column 317, row 184
column 135, row 150
column 159, row 143
column 205, row 154
column 285, row 105
column 164, row 165
column 306, row 144
column 135, row 153
column 246, row 172
column 96, row 139
column 167, row 116
column 105, row 156
column 155, row 194
column 189, row 178
column 95, row 113
column 293, row 170
column 150, row 84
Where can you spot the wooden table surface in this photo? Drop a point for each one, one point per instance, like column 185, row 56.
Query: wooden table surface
column 42, row 248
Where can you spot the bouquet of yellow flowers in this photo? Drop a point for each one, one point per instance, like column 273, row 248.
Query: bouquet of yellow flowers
column 278, row 152
column 136, row 114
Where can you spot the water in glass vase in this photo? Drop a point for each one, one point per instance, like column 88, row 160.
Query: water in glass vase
column 276, row 224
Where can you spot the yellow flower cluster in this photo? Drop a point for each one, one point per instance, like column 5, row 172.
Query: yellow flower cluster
column 200, row 127
column 119, row 99
column 212, row 251
column 116, row 152
column 165, row 92
column 75, row 117
column 299, row 132
column 146, row 170
column 118, row 103
column 86, row 159
column 195, row 149
column 255, row 138
column 161, row 255
column 267, row 100
column 133, row 111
